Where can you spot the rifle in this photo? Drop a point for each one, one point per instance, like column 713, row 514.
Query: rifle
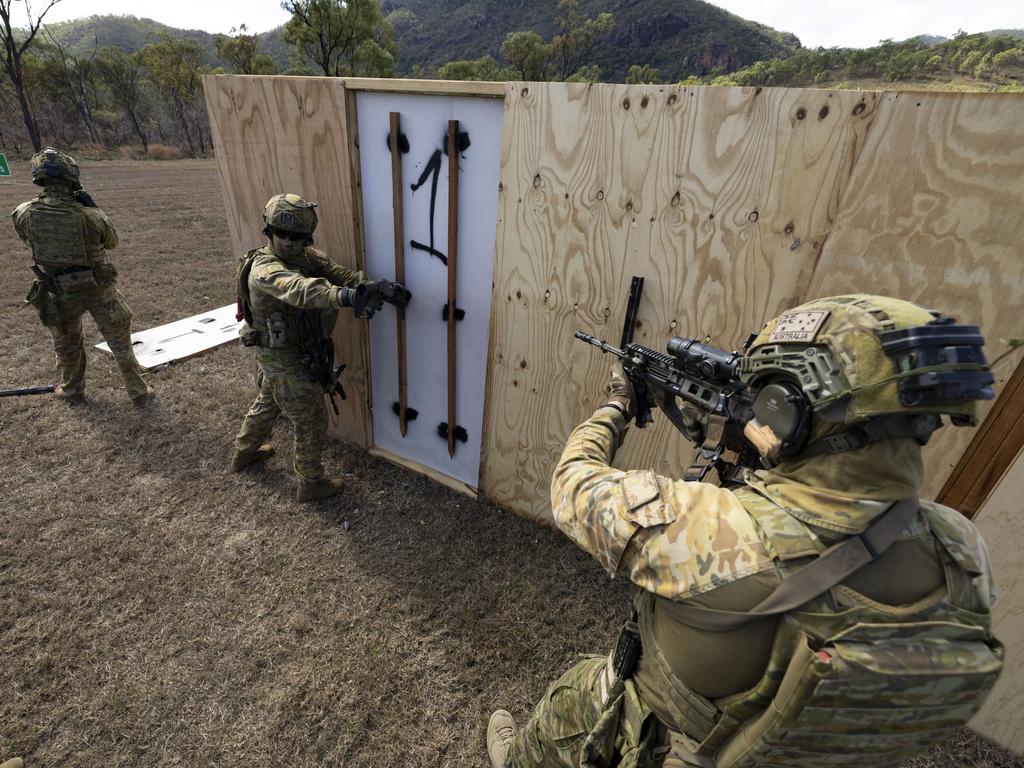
column 20, row 391
column 319, row 356
column 716, row 404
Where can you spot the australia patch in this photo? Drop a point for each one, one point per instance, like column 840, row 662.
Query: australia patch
column 798, row 326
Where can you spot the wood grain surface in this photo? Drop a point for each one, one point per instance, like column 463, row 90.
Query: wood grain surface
column 999, row 522
column 933, row 214
column 721, row 197
column 289, row 134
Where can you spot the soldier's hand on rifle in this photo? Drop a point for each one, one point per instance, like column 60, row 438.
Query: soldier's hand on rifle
column 620, row 390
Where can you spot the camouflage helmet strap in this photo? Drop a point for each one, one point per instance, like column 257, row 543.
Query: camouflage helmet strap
column 918, row 426
column 820, row 575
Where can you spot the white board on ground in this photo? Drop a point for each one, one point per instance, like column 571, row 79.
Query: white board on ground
column 424, row 122
column 183, row 338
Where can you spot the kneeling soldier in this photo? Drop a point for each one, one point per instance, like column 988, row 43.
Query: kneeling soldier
column 289, row 294
column 878, row 640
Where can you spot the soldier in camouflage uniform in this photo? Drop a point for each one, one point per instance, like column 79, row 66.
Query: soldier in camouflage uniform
column 867, row 673
column 69, row 237
column 289, row 293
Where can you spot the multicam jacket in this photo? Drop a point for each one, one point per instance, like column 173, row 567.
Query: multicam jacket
column 278, row 291
column 853, row 666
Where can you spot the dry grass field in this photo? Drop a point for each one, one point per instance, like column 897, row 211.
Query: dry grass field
column 158, row 610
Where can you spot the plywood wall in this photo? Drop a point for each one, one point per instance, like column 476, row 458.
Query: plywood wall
column 289, row 134
column 721, row 197
column 934, row 215
column 999, row 522
column 735, row 204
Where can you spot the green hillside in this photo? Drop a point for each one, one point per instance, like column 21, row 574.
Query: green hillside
column 130, row 34
column 678, row 37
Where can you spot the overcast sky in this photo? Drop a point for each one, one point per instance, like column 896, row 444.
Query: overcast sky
column 815, row 22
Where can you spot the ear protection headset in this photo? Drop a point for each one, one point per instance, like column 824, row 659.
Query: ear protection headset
column 782, row 406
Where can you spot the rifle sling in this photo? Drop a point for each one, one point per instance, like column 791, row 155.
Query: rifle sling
column 832, row 566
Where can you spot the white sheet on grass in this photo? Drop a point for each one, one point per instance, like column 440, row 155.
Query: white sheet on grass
column 183, row 338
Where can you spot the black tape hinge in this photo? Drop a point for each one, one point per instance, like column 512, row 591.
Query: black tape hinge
column 403, row 143
column 459, row 313
column 410, row 413
column 460, row 433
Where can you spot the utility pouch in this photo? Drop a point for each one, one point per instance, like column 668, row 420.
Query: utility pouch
column 876, row 693
column 45, row 304
column 77, row 280
column 277, row 331
column 105, row 274
column 250, row 336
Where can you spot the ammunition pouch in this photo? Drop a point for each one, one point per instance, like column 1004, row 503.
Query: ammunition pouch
column 250, row 337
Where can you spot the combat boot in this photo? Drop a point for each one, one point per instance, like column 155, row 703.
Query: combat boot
column 311, row 490
column 501, row 731
column 141, row 401
column 14, row 762
column 71, row 398
column 243, row 459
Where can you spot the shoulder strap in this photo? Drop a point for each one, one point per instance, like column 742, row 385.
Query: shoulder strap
column 244, row 307
column 820, row 575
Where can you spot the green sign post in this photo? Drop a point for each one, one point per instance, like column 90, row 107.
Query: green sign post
column 5, row 169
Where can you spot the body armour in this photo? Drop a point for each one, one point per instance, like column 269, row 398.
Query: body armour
column 64, row 233
column 849, row 680
column 282, row 302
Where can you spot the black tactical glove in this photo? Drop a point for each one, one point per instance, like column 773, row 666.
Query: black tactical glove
column 365, row 299
column 394, row 293
column 85, row 198
column 368, row 298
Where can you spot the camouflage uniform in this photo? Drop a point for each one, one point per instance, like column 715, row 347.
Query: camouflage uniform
column 279, row 292
column 84, row 282
column 712, row 698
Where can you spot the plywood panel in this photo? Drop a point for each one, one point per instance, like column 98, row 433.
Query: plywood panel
column 721, row 197
column 933, row 215
column 999, row 522
column 289, row 134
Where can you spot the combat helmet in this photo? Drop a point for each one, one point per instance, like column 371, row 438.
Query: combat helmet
column 289, row 213
column 51, row 164
column 883, row 366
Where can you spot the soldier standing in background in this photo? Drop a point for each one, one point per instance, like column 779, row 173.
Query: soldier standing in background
column 69, row 237
column 289, row 294
column 878, row 640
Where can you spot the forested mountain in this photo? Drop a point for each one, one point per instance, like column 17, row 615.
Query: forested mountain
column 130, row 34
column 677, row 37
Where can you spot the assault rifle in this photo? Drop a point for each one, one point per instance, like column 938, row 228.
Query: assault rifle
column 318, row 356
column 716, row 404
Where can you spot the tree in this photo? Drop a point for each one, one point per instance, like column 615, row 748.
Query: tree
column 484, row 68
column 342, row 37
column 75, row 76
column 526, row 54
column 241, row 53
column 173, row 67
column 640, row 74
column 122, row 74
column 13, row 52
column 574, row 40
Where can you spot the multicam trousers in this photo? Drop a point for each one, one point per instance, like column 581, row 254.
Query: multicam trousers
column 302, row 402
column 589, row 719
column 62, row 315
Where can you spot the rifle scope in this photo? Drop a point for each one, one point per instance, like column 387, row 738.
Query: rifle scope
column 704, row 360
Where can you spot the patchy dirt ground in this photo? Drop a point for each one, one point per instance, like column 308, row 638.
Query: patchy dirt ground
column 158, row 610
